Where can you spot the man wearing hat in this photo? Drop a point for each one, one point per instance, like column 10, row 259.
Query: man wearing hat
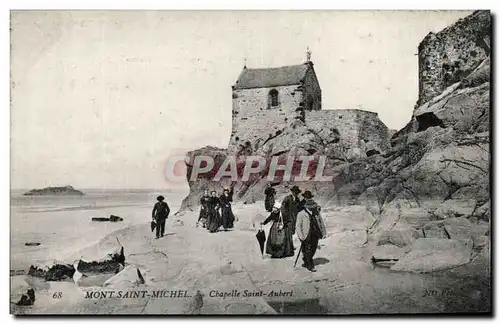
column 310, row 229
column 291, row 206
column 160, row 215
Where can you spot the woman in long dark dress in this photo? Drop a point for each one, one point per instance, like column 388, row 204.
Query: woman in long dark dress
column 203, row 209
column 226, row 211
column 214, row 219
column 279, row 242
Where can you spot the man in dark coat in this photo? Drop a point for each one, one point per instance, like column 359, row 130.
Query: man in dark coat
column 160, row 215
column 291, row 206
column 310, row 229
column 270, row 192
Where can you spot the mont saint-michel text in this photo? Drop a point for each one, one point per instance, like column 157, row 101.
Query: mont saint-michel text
column 125, row 294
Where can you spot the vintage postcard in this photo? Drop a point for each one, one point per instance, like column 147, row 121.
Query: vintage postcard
column 250, row 162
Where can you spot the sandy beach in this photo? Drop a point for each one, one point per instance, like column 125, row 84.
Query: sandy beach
column 229, row 271
column 63, row 224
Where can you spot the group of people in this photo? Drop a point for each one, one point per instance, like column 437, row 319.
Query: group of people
column 294, row 216
column 216, row 212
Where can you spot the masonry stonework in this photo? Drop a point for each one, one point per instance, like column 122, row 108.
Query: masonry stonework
column 256, row 119
column 357, row 129
column 311, row 99
column 453, row 53
column 253, row 118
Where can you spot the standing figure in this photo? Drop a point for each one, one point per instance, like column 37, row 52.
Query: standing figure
column 291, row 206
column 214, row 219
column 203, row 209
column 160, row 215
column 225, row 207
column 310, row 229
column 270, row 192
column 279, row 243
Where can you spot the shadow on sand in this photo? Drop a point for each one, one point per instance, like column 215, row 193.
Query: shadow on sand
column 302, row 307
column 167, row 234
column 320, row 261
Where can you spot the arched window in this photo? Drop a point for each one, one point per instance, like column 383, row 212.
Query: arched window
column 273, row 98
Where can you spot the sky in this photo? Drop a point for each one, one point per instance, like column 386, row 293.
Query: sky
column 102, row 99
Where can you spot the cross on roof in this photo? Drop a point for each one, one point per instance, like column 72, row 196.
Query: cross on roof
column 308, row 54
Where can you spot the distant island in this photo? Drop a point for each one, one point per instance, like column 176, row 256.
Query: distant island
column 60, row 191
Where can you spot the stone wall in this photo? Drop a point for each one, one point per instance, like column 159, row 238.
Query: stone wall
column 372, row 131
column 253, row 119
column 430, row 67
column 453, row 53
column 359, row 130
column 312, row 89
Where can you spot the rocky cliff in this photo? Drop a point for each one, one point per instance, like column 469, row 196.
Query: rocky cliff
column 435, row 168
column 341, row 136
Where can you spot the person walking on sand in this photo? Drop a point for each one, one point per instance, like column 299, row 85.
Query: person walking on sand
column 279, row 243
column 310, row 229
column 270, row 192
column 160, row 215
column 225, row 206
column 203, row 209
column 214, row 219
column 291, row 206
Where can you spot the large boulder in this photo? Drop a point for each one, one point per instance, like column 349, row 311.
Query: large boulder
column 434, row 254
column 399, row 236
column 455, row 208
column 416, row 217
column 459, row 228
column 388, row 252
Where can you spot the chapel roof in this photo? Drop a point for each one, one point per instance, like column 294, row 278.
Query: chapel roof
column 272, row 77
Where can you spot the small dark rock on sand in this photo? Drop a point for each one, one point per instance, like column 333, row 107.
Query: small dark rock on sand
column 27, row 299
column 58, row 272
column 111, row 218
column 114, row 218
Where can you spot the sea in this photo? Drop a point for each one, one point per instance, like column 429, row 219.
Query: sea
column 62, row 224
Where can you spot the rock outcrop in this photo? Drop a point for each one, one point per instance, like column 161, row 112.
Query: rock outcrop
column 54, row 272
column 439, row 166
column 433, row 170
column 112, row 263
column 338, row 135
column 27, row 299
column 54, row 191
